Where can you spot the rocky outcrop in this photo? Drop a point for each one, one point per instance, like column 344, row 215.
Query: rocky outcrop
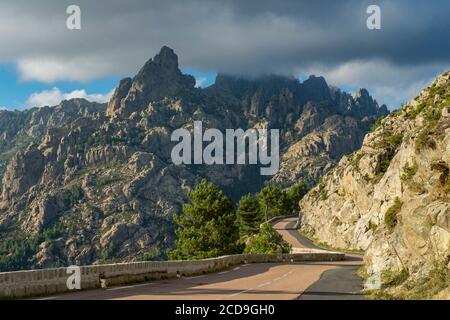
column 159, row 78
column 392, row 197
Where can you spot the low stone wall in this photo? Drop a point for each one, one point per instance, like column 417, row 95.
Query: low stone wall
column 22, row 284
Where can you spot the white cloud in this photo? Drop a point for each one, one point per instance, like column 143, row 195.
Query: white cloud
column 55, row 96
column 199, row 82
column 389, row 83
column 49, row 70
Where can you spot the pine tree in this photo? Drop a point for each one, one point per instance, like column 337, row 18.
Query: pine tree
column 249, row 215
column 273, row 202
column 208, row 227
column 295, row 194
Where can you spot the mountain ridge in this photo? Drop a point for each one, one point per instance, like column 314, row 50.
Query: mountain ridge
column 94, row 182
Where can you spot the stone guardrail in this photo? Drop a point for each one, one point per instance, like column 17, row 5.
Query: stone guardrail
column 23, row 284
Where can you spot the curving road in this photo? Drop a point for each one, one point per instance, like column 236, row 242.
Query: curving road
column 268, row 281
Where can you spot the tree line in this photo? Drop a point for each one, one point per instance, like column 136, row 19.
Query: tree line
column 210, row 226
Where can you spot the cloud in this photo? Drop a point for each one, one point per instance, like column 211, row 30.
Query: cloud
column 49, row 70
column 55, row 96
column 388, row 83
column 199, row 82
column 246, row 37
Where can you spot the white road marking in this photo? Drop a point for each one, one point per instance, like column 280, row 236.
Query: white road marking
column 237, row 268
column 262, row 284
column 238, row 293
column 196, row 277
column 223, row 272
column 49, row 298
column 128, row 287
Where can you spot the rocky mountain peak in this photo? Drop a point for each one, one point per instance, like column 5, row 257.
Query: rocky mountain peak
column 315, row 89
column 159, row 78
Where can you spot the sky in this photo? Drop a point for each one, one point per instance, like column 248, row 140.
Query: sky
column 43, row 62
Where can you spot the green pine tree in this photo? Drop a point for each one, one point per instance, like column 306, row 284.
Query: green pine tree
column 274, row 202
column 208, row 227
column 249, row 215
column 295, row 194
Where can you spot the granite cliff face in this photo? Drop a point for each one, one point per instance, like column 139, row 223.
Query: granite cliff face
column 392, row 197
column 87, row 183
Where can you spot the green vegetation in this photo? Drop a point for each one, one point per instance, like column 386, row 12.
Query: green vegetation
column 356, row 158
column 74, row 195
column 267, row 241
column 425, row 139
column 112, row 136
column 295, row 194
column 322, row 190
column 249, row 215
column 372, row 226
column 390, row 217
column 431, row 131
column 105, row 181
column 384, row 165
column 390, row 143
column 109, row 252
column 208, row 227
column 274, row 202
column 409, row 171
column 377, row 124
column 413, row 114
column 394, row 140
column 17, row 252
column 391, row 278
column 436, row 281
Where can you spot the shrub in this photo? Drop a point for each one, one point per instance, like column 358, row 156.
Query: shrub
column 394, row 278
column 356, row 159
column 413, row 114
column 377, row 124
column 425, row 139
column 384, row 165
column 105, row 180
column 267, row 241
column 391, row 215
column 394, row 140
column 409, row 171
column 372, row 226
column 74, row 194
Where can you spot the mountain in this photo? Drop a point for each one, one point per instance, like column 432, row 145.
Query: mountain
column 88, row 183
column 392, row 197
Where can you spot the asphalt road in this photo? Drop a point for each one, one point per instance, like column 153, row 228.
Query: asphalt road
column 268, row 281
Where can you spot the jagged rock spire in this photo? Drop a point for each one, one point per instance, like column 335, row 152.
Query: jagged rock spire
column 160, row 77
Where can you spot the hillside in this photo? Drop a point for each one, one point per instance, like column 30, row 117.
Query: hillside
column 392, row 198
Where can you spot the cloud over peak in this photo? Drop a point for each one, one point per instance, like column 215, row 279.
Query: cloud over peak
column 247, row 37
column 55, row 96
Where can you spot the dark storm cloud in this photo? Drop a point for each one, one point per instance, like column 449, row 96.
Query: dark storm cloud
column 251, row 36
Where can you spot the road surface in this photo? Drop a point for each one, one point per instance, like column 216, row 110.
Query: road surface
column 267, row 281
